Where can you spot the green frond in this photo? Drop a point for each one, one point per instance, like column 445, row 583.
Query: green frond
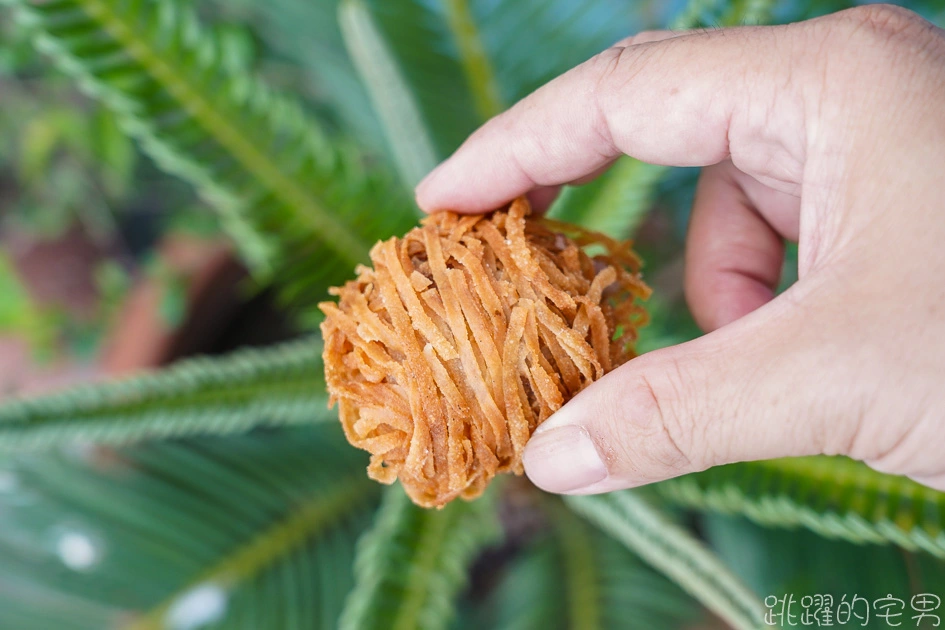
column 800, row 561
column 477, row 68
column 529, row 594
column 582, row 582
column 699, row 13
column 835, row 497
column 418, row 36
column 394, row 103
column 250, row 531
column 413, row 562
column 747, row 12
column 280, row 540
column 675, row 552
column 576, row 577
column 306, row 37
column 616, row 202
column 720, row 13
column 668, row 325
column 531, row 42
column 302, row 207
column 279, row 385
column 475, row 56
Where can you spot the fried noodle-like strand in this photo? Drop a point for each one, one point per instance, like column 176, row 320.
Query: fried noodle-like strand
column 466, row 334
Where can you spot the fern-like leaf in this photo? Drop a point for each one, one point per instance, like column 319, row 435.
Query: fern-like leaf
column 800, row 561
column 579, row 578
column 833, row 496
column 412, row 563
column 477, row 67
column 251, row 531
column 279, row 385
column 394, row 102
column 675, row 552
column 464, row 59
column 301, row 207
column 533, row 591
column 575, row 576
column 616, row 203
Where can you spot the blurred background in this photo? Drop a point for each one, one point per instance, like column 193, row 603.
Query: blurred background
column 109, row 265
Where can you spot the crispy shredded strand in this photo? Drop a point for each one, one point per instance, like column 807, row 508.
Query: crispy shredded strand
column 468, row 333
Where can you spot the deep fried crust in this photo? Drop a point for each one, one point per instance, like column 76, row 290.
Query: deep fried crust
column 467, row 334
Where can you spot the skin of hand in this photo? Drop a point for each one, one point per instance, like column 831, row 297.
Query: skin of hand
column 829, row 132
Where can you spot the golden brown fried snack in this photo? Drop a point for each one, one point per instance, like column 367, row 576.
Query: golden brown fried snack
column 467, row 334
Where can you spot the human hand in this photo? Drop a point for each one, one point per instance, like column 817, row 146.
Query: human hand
column 829, row 132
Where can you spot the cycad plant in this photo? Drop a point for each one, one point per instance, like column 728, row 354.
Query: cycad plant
column 220, row 492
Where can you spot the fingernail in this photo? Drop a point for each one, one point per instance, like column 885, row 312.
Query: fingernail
column 563, row 459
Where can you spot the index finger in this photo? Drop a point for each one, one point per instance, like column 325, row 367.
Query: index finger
column 676, row 100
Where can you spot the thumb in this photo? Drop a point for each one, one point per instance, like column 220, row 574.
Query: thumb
column 747, row 391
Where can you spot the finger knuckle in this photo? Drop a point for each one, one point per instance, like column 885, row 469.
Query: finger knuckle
column 867, row 52
column 618, row 63
column 887, row 18
column 883, row 23
column 658, row 436
column 671, row 438
column 604, row 64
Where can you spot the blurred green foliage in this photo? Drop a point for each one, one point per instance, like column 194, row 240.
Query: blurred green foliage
column 139, row 504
